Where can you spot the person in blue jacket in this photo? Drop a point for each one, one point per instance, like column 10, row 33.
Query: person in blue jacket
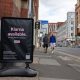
column 52, row 42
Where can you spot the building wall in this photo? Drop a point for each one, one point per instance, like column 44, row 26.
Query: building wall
column 71, row 26
column 6, row 8
column 52, row 28
column 77, row 17
column 36, row 6
column 77, row 22
column 18, row 4
column 24, row 8
column 59, row 24
column 17, row 8
column 0, row 29
column 62, row 32
column 10, row 8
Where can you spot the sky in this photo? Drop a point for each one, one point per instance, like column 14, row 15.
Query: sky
column 55, row 10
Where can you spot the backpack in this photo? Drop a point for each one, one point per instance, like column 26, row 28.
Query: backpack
column 45, row 40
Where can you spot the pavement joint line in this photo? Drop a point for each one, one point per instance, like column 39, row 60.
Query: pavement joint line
column 38, row 75
column 44, row 78
column 39, row 61
column 68, row 54
column 42, row 56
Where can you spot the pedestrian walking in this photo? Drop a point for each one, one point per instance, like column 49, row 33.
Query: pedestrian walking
column 52, row 42
column 45, row 43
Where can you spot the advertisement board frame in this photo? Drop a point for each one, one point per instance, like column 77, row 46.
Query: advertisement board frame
column 31, row 54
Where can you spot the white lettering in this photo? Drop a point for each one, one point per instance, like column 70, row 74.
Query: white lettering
column 17, row 29
column 17, row 34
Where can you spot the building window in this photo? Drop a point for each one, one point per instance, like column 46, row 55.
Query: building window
column 72, row 22
column 71, row 28
column 71, row 34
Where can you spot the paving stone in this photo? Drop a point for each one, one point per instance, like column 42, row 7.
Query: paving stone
column 35, row 60
column 19, row 78
column 45, row 56
column 49, row 62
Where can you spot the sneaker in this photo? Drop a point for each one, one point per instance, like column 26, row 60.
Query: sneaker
column 52, row 51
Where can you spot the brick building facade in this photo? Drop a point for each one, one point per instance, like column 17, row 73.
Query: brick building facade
column 77, row 18
column 52, row 28
column 77, row 22
column 17, row 8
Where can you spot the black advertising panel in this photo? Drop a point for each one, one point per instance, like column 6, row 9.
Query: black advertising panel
column 17, row 39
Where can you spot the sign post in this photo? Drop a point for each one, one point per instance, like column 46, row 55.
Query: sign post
column 17, row 44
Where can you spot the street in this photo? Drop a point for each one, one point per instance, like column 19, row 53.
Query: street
column 69, row 50
column 56, row 66
column 29, row 26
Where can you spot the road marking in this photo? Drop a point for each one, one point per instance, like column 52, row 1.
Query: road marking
column 75, row 66
column 49, row 62
column 43, row 78
column 65, row 58
column 78, row 58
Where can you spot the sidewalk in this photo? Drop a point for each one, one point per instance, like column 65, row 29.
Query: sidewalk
column 35, row 61
column 39, row 58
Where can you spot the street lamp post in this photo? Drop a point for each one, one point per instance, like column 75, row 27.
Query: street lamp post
column 29, row 71
column 30, row 9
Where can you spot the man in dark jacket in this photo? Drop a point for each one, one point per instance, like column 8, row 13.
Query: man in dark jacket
column 45, row 43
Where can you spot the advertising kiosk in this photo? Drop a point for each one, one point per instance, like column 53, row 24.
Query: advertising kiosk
column 17, row 45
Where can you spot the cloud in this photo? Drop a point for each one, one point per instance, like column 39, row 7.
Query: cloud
column 55, row 11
